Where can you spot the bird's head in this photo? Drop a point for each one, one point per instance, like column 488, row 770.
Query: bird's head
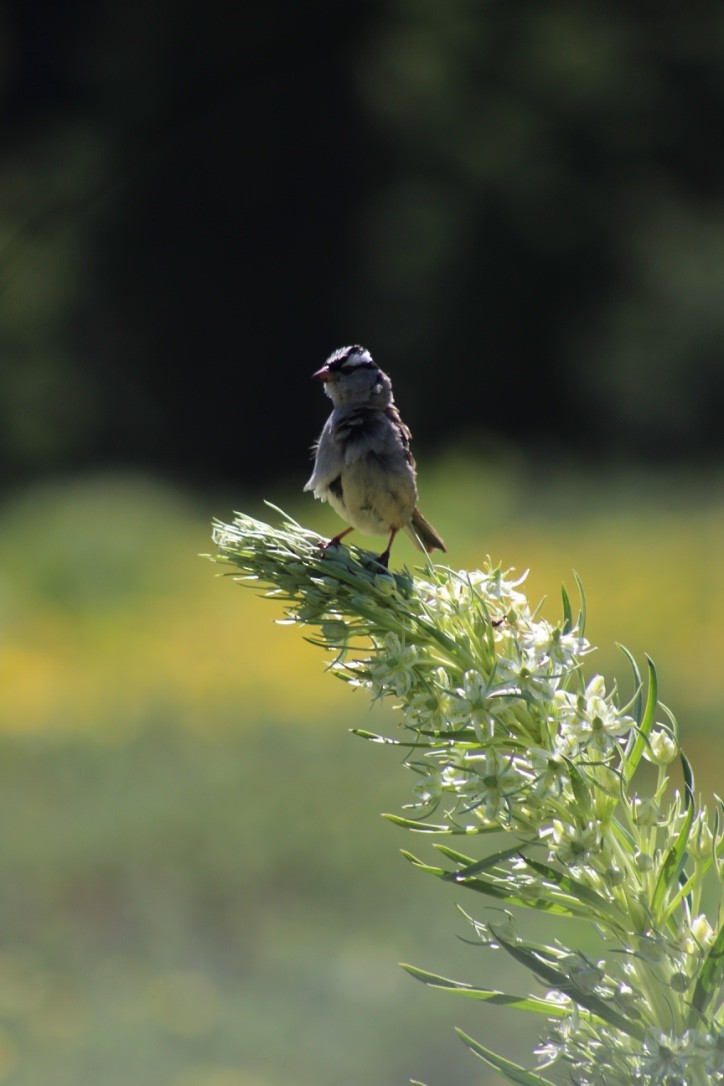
column 352, row 379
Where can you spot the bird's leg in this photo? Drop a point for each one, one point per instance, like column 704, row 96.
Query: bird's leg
column 337, row 539
column 384, row 558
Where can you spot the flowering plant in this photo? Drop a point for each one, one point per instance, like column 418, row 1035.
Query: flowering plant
column 505, row 735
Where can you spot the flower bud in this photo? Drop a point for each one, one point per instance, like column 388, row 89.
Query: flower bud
column 662, row 747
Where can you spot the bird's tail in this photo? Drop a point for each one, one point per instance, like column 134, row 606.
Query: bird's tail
column 422, row 533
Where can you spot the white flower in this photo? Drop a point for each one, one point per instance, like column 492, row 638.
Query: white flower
column 428, row 789
column 561, row 1034
column 475, row 705
column 445, row 599
column 436, row 706
column 574, row 845
column 550, row 772
column 665, row 1056
column 496, row 780
column 392, row 670
column 496, row 585
column 549, row 641
column 592, row 720
column 711, row 1048
column 530, row 672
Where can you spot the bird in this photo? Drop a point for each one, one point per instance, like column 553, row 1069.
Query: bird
column 363, row 465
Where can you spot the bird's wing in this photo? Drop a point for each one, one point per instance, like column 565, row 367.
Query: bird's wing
column 328, row 461
column 402, row 432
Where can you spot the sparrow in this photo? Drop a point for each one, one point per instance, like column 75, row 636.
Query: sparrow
column 363, row 465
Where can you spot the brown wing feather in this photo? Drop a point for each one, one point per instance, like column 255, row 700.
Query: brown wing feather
column 404, row 432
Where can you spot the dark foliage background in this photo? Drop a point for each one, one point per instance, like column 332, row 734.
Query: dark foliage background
column 517, row 207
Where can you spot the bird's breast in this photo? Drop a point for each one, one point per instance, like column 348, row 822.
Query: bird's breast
column 374, row 493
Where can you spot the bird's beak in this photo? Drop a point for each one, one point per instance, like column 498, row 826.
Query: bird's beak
column 322, row 375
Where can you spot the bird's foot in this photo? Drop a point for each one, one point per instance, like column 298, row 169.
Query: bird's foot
column 335, row 541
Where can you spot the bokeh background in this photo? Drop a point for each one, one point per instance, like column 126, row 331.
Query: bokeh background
column 518, row 208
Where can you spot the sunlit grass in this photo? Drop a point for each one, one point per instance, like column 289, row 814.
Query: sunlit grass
column 111, row 619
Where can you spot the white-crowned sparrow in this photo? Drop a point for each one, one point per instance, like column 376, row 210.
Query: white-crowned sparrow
column 363, row 465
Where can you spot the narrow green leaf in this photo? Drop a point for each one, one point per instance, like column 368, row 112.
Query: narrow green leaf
column 512, row 1071
column 633, row 757
column 716, row 830
column 500, row 887
column 560, row 980
column 567, row 612
column 375, row 738
column 457, row 857
column 440, row 872
column 488, row 995
column 672, row 720
column 687, row 770
column 573, row 888
column 637, row 705
column 286, row 517
column 580, row 787
column 502, row 891
column 417, row 825
column 673, row 863
column 470, row 868
column 711, row 976
column 583, row 613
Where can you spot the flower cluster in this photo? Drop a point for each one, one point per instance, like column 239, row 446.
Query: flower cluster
column 504, row 733
column 499, row 711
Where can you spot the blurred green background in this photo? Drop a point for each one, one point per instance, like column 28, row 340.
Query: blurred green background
column 518, row 209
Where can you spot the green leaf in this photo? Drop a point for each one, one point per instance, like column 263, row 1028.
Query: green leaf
column 557, row 978
column 512, row 1071
column 710, row 979
column 578, row 891
column 633, row 757
column 638, row 687
column 580, row 787
column 716, row 830
column 457, row 857
column 286, row 517
column 583, row 613
column 375, row 738
column 673, row 863
column 489, row 995
column 440, row 872
column 687, row 770
column 567, row 612
column 575, row 899
column 470, row 867
column 500, row 884
column 501, row 891
column 418, row 825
